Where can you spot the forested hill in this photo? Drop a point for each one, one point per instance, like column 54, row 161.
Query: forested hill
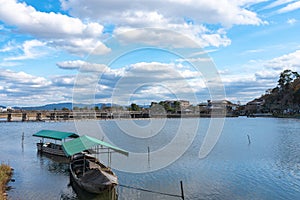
column 284, row 97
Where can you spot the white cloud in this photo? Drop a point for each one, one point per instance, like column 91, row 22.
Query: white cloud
column 82, row 66
column 30, row 49
column 171, row 15
column 122, row 84
column 188, row 36
column 22, row 78
column 288, row 61
column 20, row 89
column 46, row 25
column 254, row 79
column 67, row 32
column 154, row 80
column 290, row 7
column 124, row 12
column 80, row 46
column 278, row 3
column 291, row 21
column 8, row 47
column 9, row 64
column 251, row 51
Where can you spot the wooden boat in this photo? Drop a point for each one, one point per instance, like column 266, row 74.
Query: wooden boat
column 86, row 170
column 50, row 147
column 91, row 175
column 83, row 194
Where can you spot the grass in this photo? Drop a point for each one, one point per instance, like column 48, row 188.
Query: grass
column 5, row 175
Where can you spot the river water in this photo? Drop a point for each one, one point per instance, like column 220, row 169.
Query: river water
column 265, row 167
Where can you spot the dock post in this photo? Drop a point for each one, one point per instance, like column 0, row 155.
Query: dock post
column 181, row 187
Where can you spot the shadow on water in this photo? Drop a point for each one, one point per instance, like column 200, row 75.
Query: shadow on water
column 81, row 194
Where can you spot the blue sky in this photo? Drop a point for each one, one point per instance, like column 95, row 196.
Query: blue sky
column 127, row 51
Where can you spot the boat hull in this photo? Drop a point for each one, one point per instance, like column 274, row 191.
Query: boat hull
column 95, row 179
column 50, row 148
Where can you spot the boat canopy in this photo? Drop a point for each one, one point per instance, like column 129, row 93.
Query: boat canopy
column 85, row 143
column 57, row 135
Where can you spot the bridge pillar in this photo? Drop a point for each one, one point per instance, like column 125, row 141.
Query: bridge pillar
column 38, row 116
column 24, row 117
column 9, row 117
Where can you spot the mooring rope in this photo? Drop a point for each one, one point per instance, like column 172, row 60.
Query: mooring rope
column 145, row 190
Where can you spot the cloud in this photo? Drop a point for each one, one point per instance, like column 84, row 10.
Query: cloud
column 149, row 81
column 251, row 51
column 20, row 88
column 46, row 25
column 65, row 81
column 82, row 66
column 290, row 7
column 287, row 61
column 265, row 74
column 79, row 46
column 142, row 82
column 186, row 17
column 30, row 49
column 190, row 37
column 22, row 78
column 129, row 13
column 64, row 31
column 8, row 47
column 278, row 3
column 291, row 21
column 9, row 64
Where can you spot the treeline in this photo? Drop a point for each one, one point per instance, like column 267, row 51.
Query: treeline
column 285, row 97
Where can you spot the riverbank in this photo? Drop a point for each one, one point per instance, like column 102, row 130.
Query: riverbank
column 5, row 176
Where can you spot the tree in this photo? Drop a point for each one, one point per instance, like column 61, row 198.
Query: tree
column 134, row 107
column 76, row 108
column 177, row 105
column 65, row 109
column 286, row 77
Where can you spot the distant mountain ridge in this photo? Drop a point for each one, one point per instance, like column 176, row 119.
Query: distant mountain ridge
column 60, row 106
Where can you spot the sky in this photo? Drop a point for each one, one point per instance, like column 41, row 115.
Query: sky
column 120, row 51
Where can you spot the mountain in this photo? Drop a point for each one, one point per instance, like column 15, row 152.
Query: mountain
column 60, row 106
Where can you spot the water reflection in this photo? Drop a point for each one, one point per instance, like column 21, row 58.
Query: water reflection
column 54, row 164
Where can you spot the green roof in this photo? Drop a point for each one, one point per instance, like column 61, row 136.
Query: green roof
column 86, row 142
column 57, row 135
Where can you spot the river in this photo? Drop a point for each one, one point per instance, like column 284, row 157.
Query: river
column 254, row 158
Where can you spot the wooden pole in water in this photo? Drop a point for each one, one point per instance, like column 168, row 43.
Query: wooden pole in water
column 249, row 141
column 181, row 187
column 148, row 156
column 22, row 144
